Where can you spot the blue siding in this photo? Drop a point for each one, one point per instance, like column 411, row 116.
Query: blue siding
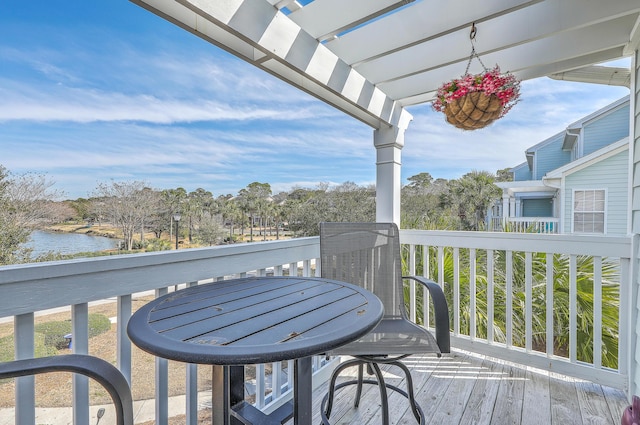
column 610, row 174
column 606, row 129
column 550, row 156
column 521, row 173
column 537, row 207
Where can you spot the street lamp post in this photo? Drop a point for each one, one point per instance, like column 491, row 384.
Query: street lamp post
column 176, row 218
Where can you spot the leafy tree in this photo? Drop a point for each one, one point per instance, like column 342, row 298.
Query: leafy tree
column 172, row 200
column 128, row 204
column 253, row 200
column 504, row 175
column 420, row 203
column 26, row 203
column 470, row 197
column 345, row 202
column 198, row 203
column 420, row 182
column 209, row 229
column 230, row 211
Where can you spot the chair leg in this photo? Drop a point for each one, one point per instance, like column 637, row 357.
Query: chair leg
column 374, row 369
column 325, row 412
column 359, row 388
column 417, row 411
column 382, row 386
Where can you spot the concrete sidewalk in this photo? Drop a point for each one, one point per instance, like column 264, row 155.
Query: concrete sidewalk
column 143, row 411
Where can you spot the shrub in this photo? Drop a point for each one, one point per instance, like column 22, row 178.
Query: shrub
column 41, row 349
column 158, row 245
column 54, row 332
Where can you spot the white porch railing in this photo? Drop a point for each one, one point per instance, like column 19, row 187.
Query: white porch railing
column 498, row 284
column 525, row 224
column 34, row 288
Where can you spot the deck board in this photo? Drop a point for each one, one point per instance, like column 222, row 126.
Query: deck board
column 462, row 388
column 536, row 404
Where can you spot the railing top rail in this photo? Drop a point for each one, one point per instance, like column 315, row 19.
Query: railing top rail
column 606, row 246
column 40, row 286
column 527, row 219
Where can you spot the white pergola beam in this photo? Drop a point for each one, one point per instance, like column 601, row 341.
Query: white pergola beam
column 259, row 33
column 325, row 18
column 494, row 35
column 525, row 58
column 422, row 21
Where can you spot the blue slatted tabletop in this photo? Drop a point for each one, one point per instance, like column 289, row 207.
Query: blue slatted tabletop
column 256, row 320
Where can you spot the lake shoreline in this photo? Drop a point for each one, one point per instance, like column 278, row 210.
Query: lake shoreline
column 93, row 230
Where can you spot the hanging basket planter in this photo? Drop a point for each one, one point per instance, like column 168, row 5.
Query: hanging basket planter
column 473, row 111
column 474, row 101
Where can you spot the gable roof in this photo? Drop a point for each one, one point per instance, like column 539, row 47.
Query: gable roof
column 587, row 160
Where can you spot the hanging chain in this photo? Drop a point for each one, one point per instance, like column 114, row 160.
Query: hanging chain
column 472, row 37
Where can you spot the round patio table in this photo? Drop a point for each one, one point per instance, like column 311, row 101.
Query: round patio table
column 255, row 320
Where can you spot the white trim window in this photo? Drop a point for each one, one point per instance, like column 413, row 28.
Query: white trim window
column 589, row 211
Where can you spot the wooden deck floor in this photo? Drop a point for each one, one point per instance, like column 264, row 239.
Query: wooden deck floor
column 467, row 389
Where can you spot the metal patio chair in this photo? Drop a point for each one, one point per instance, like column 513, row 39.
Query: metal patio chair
column 368, row 255
column 100, row 370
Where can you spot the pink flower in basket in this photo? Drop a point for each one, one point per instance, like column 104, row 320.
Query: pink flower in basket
column 506, row 87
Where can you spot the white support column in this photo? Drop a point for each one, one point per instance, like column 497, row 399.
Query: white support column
column 512, row 207
column 634, row 227
column 505, row 209
column 505, row 204
column 389, row 142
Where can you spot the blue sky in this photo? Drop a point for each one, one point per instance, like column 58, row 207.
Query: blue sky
column 97, row 91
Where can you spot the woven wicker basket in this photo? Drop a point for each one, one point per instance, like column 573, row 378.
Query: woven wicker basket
column 473, row 111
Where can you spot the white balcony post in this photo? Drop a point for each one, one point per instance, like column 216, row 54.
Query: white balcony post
column 388, row 142
column 634, row 146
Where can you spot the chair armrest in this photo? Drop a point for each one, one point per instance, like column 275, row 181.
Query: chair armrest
column 441, row 311
column 100, row 370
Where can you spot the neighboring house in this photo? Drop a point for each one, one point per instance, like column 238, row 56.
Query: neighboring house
column 576, row 181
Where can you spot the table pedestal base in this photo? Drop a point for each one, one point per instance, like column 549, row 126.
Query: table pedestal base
column 229, row 407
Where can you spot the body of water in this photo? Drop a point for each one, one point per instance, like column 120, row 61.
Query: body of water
column 68, row 243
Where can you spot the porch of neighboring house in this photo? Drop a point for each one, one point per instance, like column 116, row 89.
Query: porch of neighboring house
column 527, row 206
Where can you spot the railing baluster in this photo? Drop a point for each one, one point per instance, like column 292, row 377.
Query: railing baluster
column 261, row 387
column 162, row 382
column 23, row 332
column 627, row 304
column 80, row 335
column 290, row 367
column 509, row 296
column 456, row 289
column 412, row 283
column 276, row 379
column 472, row 294
column 191, row 386
column 549, row 305
column 123, row 344
column 597, row 312
column 490, row 307
column 573, row 308
column 426, row 272
column 528, row 314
